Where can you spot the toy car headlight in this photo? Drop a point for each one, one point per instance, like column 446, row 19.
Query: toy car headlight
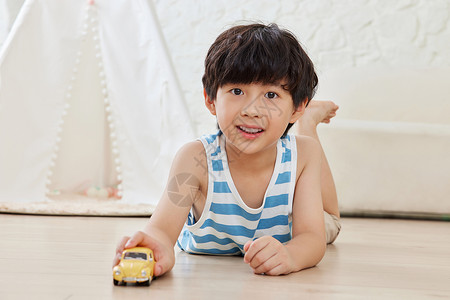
column 117, row 272
column 144, row 273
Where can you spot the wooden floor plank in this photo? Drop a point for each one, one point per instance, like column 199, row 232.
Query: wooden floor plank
column 45, row 257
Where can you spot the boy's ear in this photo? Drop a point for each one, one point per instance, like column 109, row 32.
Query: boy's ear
column 209, row 103
column 299, row 111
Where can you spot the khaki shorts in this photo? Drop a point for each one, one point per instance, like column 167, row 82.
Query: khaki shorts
column 332, row 227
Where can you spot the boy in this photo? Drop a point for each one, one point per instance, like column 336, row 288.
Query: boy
column 245, row 190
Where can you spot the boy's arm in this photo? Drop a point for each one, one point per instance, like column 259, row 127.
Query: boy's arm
column 308, row 243
column 307, row 247
column 182, row 190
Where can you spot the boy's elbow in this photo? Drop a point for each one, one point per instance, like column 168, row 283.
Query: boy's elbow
column 320, row 248
column 313, row 247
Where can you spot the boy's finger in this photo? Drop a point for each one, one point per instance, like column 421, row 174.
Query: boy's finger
column 247, row 245
column 116, row 259
column 263, row 260
column 160, row 268
column 163, row 263
column 119, row 249
column 254, row 248
column 121, row 244
column 274, row 270
column 139, row 238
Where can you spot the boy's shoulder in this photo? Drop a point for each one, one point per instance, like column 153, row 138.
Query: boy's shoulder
column 191, row 149
column 190, row 158
column 305, row 141
column 195, row 151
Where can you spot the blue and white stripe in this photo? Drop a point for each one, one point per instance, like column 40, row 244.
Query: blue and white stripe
column 227, row 223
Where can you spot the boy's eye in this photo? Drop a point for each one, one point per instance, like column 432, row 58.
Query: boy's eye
column 271, row 95
column 237, row 92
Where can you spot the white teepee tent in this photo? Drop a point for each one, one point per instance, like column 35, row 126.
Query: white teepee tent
column 88, row 97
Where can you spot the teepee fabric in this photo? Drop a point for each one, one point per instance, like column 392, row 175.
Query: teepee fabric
column 88, row 96
column 4, row 21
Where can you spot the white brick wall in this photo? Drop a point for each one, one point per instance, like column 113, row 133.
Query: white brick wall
column 336, row 33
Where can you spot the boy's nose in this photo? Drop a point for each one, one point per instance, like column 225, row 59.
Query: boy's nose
column 253, row 108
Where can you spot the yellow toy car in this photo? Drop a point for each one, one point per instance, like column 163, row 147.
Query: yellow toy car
column 136, row 266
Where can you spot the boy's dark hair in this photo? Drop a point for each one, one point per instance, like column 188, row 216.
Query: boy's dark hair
column 259, row 53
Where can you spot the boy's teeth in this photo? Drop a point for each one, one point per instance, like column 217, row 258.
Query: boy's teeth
column 250, row 130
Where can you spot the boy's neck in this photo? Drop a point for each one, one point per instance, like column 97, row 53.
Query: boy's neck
column 252, row 162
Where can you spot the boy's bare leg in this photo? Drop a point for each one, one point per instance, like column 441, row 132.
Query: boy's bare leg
column 321, row 112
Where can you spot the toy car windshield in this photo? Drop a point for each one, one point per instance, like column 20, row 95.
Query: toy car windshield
column 135, row 255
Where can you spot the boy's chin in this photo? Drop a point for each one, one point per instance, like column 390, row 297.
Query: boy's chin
column 247, row 147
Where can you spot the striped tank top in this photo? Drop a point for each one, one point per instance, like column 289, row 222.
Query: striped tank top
column 227, row 223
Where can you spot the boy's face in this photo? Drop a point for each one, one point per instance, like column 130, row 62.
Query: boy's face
column 253, row 116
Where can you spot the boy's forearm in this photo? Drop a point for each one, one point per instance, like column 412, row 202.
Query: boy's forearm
column 306, row 250
column 159, row 234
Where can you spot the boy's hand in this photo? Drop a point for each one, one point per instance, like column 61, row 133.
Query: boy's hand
column 165, row 258
column 267, row 255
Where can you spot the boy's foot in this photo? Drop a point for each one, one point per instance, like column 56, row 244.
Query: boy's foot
column 318, row 112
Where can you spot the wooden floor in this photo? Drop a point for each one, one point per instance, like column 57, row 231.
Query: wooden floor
column 70, row 258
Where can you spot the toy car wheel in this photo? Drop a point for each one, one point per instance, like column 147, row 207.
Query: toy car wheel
column 116, row 282
column 146, row 283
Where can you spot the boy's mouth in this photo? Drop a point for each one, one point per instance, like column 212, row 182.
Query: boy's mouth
column 250, row 132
